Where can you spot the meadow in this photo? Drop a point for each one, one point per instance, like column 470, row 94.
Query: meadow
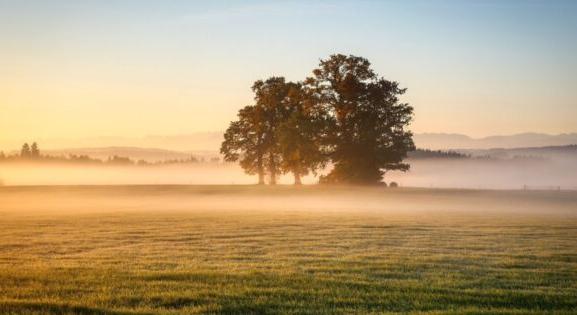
column 286, row 250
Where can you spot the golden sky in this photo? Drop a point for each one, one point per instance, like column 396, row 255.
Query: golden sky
column 136, row 68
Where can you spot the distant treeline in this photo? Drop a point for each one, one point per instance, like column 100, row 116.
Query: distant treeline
column 31, row 153
column 436, row 154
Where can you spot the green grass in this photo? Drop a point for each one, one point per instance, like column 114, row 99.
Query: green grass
column 249, row 250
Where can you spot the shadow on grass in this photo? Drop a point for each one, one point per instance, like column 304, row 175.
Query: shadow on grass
column 264, row 293
column 26, row 307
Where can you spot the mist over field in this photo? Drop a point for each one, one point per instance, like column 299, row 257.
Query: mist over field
column 490, row 174
column 515, row 173
column 201, row 174
column 545, row 167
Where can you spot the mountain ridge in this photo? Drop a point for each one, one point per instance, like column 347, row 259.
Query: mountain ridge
column 210, row 141
column 448, row 141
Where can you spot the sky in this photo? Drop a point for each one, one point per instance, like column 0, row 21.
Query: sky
column 81, row 69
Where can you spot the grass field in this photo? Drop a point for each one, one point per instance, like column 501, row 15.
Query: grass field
column 285, row 250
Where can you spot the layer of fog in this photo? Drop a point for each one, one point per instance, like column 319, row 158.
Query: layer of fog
column 182, row 174
column 490, row 174
column 438, row 173
column 416, row 205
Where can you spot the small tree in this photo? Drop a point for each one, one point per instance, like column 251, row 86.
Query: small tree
column 25, row 151
column 34, row 151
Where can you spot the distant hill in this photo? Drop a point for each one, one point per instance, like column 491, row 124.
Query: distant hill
column 200, row 141
column 567, row 151
column 437, row 141
column 210, row 141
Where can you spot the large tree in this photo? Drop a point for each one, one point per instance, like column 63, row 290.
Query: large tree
column 279, row 134
column 270, row 96
column 367, row 134
column 253, row 137
column 301, row 133
column 244, row 140
column 34, row 151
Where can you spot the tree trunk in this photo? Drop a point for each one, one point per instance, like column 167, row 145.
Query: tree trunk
column 260, row 172
column 297, row 169
column 272, row 169
column 297, row 178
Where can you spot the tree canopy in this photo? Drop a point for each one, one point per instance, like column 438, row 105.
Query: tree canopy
column 368, row 122
column 344, row 114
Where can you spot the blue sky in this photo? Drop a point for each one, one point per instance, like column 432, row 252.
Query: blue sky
column 473, row 67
